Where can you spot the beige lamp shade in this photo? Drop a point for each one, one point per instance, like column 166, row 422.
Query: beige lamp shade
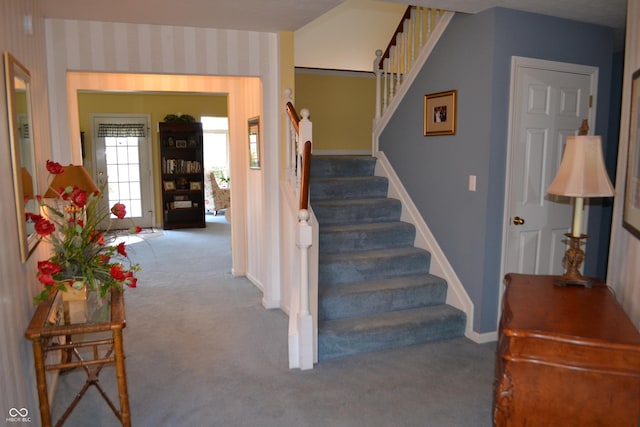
column 72, row 175
column 582, row 172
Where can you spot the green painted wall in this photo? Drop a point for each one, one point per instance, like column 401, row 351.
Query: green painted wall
column 342, row 108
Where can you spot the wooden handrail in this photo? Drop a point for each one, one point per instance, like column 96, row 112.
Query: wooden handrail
column 304, row 184
column 293, row 116
column 392, row 42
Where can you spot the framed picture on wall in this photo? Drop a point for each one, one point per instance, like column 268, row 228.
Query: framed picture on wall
column 254, row 142
column 440, row 113
column 631, row 214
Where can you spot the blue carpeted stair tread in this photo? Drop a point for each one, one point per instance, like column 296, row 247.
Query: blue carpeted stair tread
column 371, row 265
column 340, row 238
column 364, row 202
column 342, row 166
column 344, row 337
column 391, row 320
column 367, row 227
column 381, row 285
column 351, row 211
column 355, row 187
column 376, row 254
column 369, row 297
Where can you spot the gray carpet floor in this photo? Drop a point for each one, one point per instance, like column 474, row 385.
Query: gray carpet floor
column 202, row 351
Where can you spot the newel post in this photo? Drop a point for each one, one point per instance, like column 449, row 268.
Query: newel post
column 305, row 321
column 305, row 130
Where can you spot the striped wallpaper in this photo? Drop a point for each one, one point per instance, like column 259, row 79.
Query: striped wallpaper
column 18, row 284
column 159, row 49
column 155, row 49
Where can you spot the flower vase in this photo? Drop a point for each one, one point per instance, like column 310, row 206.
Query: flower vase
column 98, row 306
column 74, row 301
column 83, row 305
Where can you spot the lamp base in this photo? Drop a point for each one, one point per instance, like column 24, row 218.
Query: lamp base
column 573, row 258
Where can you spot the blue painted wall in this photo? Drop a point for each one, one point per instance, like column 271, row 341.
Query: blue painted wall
column 474, row 57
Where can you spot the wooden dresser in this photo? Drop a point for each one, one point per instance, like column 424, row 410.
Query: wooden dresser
column 566, row 356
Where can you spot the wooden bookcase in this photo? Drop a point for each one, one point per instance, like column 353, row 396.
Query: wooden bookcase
column 181, row 166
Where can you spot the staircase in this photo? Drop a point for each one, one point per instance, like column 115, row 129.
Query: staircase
column 374, row 287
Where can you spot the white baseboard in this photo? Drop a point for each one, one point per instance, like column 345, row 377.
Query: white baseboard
column 483, row 338
column 342, row 152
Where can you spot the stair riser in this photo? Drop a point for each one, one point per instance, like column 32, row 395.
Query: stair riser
column 349, row 271
column 349, row 189
column 362, row 304
column 355, row 213
column 347, row 344
column 353, row 241
column 333, row 166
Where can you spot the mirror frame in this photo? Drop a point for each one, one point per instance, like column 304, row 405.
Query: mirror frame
column 14, row 71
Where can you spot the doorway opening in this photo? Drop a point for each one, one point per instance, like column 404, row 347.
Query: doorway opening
column 216, row 156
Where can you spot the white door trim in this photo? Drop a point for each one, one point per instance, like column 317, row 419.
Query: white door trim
column 518, row 63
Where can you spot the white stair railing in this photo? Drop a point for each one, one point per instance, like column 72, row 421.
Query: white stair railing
column 418, row 31
column 300, row 276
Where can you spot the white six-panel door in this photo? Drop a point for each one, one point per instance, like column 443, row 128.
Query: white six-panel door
column 549, row 100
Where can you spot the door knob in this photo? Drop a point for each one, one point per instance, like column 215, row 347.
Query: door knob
column 518, row 221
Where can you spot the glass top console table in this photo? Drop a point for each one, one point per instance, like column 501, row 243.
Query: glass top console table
column 61, row 344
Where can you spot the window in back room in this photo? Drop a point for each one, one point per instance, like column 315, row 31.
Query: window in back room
column 216, row 154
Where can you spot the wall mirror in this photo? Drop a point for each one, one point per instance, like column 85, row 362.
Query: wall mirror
column 18, row 86
column 254, row 143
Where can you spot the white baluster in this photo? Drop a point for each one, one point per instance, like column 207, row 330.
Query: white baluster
column 298, row 171
column 377, row 71
column 421, row 26
column 405, row 45
column 385, row 94
column 399, row 59
column 392, row 64
column 412, row 34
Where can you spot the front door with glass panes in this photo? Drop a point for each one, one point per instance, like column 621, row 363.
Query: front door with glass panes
column 122, row 156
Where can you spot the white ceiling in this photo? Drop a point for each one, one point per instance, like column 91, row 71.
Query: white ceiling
column 255, row 15
column 290, row 15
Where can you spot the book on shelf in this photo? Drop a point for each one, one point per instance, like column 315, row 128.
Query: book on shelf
column 180, row 204
column 173, row 166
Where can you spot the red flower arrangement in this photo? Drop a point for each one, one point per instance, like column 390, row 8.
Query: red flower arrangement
column 82, row 254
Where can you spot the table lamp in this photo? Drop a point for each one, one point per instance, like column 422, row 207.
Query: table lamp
column 582, row 174
column 72, row 175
